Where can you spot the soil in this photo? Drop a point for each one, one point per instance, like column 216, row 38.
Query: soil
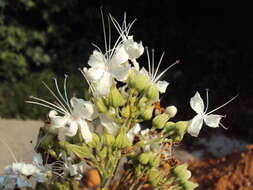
column 231, row 172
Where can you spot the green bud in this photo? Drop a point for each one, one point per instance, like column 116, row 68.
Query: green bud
column 109, row 139
column 171, row 111
column 122, row 140
column 177, row 130
column 181, row 172
column 101, row 105
column 145, row 157
column 155, row 161
column 152, row 92
column 188, row 185
column 154, row 176
column 102, row 154
column 52, row 153
column 125, row 111
column 160, row 120
column 147, row 113
column 115, row 98
column 131, row 79
column 95, row 140
column 142, row 102
column 141, row 82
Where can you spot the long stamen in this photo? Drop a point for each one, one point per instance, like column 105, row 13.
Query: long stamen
column 158, row 66
column 153, row 65
column 46, row 106
column 52, row 92
column 65, row 93
column 104, row 30
column 207, row 101
column 85, row 77
column 223, row 104
column 55, row 107
column 149, row 64
column 60, row 94
column 161, row 74
column 109, row 32
column 128, row 28
column 226, row 128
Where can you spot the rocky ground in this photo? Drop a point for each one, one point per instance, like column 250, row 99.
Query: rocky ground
column 215, row 165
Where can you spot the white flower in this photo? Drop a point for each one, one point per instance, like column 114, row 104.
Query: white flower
column 74, row 114
column 103, row 70
column 152, row 72
column 133, row 131
column 211, row 120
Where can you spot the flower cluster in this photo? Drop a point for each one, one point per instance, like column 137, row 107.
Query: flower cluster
column 118, row 138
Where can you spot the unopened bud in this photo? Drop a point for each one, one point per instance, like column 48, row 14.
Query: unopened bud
column 109, row 139
column 188, row 185
column 155, row 161
column 145, row 157
column 102, row 154
column 152, row 92
column 101, row 105
column 154, row 176
column 125, row 112
column 181, row 172
column 141, row 82
column 122, row 141
column 147, row 113
column 115, row 98
column 95, row 140
column 171, row 111
column 160, row 121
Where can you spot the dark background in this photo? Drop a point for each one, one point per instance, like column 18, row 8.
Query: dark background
column 43, row 39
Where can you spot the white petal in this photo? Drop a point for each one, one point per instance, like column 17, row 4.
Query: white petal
column 136, row 65
column 120, row 71
column 133, row 131
column 195, row 126
column 162, row 86
column 71, row 128
column 83, row 109
column 145, row 132
column 37, row 159
column 109, row 124
column 23, row 183
column 104, row 85
column 40, row 177
column 96, row 59
column 197, row 103
column 55, row 120
column 212, row 120
column 85, row 131
column 120, row 56
column 133, row 48
column 94, row 74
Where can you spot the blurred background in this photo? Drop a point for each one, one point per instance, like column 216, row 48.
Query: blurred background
column 43, row 39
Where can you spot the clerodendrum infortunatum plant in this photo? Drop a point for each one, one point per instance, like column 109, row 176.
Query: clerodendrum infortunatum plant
column 102, row 142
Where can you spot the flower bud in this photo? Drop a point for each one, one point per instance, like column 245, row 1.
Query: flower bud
column 145, row 157
column 171, row 111
column 125, row 112
column 102, row 154
column 147, row 113
column 46, row 141
column 160, row 121
column 176, row 130
column 188, row 185
column 131, row 79
column 109, row 139
column 115, row 98
column 181, row 172
column 101, row 105
column 95, row 141
column 152, row 92
column 122, row 140
column 154, row 176
column 155, row 161
column 141, row 82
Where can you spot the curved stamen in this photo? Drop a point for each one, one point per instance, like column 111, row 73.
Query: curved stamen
column 158, row 66
column 162, row 73
column 207, row 101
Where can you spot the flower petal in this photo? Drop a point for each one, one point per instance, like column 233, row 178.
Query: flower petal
column 96, row 59
column 197, row 103
column 83, row 109
column 55, row 120
column 212, row 120
column 195, row 126
column 22, row 183
column 120, row 71
column 133, row 48
column 133, row 131
column 85, row 131
column 71, row 128
column 162, row 86
column 109, row 124
column 94, row 74
column 104, row 85
column 120, row 56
